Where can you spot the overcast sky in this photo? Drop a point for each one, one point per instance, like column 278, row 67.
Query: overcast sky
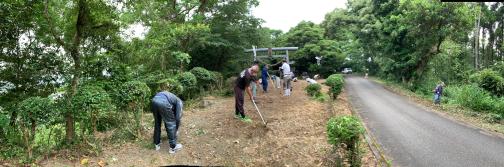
column 277, row 14
column 284, row 14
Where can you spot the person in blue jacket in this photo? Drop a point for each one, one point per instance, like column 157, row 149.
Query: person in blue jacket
column 264, row 78
column 167, row 107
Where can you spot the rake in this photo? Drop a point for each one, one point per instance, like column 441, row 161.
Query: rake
column 257, row 109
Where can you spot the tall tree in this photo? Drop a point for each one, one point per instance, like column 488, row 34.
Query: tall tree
column 82, row 23
column 27, row 67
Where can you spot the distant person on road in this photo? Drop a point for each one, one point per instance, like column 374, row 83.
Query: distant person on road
column 287, row 77
column 438, row 91
column 264, row 78
column 167, row 107
column 243, row 82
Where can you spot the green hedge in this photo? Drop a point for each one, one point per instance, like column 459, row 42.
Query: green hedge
column 170, row 84
column 346, row 130
column 205, row 77
column 187, row 79
column 313, row 89
column 88, row 103
column 135, row 97
column 336, row 82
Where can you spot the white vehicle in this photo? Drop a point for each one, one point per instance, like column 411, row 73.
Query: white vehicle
column 347, row 71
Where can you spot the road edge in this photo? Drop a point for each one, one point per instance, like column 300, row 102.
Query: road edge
column 375, row 147
column 437, row 111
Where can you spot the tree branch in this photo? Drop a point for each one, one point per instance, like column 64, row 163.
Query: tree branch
column 51, row 26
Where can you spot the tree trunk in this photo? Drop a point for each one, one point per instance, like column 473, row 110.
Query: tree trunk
column 74, row 52
column 422, row 64
column 476, row 52
column 483, row 55
column 202, row 7
column 501, row 50
column 93, row 122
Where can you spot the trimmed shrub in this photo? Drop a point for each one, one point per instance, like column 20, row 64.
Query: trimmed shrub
column 187, row 79
column 170, row 84
column 189, row 82
column 89, row 101
column 32, row 112
column 346, row 130
column 204, row 77
column 134, row 92
column 134, row 97
column 321, row 97
column 335, row 81
column 313, row 89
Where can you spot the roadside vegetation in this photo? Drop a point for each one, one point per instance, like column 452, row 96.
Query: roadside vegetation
column 74, row 78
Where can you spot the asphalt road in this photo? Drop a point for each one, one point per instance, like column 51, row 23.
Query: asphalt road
column 412, row 136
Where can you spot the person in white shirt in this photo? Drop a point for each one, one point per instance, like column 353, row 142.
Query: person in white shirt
column 287, row 76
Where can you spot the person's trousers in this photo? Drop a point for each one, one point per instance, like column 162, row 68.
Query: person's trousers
column 239, row 102
column 164, row 112
column 277, row 82
column 437, row 98
column 287, row 82
column 265, row 84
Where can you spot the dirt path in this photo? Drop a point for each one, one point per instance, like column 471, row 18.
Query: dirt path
column 295, row 136
column 413, row 136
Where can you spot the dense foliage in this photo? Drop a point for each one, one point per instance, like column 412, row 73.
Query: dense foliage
column 52, row 48
column 33, row 112
column 313, row 89
column 490, row 81
column 88, row 104
column 335, row 82
column 134, row 97
column 346, row 130
column 81, row 58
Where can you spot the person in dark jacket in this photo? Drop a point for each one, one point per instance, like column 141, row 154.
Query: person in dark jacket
column 167, row 107
column 264, row 78
column 438, row 91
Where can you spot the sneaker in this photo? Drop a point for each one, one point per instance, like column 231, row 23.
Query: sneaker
column 246, row 119
column 177, row 148
column 157, row 146
column 237, row 116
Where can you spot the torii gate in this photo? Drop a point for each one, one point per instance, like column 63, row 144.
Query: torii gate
column 270, row 53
